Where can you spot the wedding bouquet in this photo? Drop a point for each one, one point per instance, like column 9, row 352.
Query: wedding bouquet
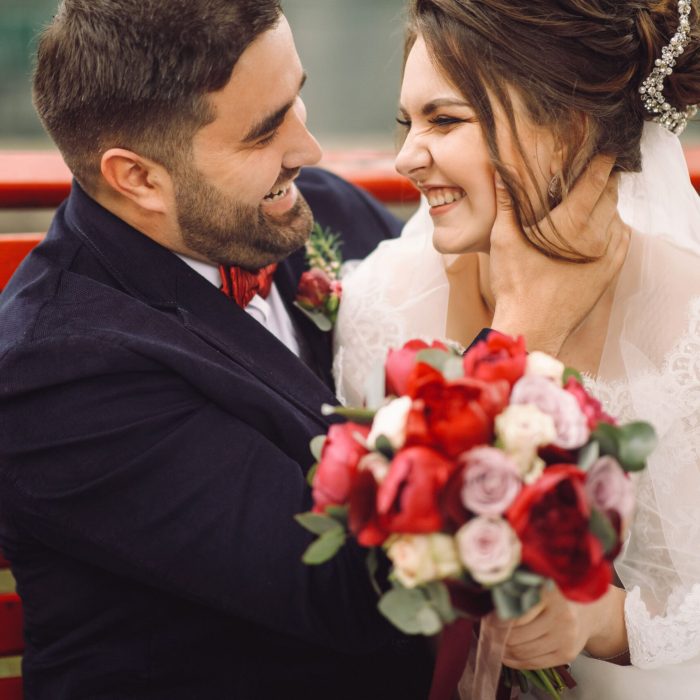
column 482, row 477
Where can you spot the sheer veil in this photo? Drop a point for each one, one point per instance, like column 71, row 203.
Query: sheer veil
column 650, row 369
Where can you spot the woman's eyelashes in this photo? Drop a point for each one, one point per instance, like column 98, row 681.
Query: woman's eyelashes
column 439, row 121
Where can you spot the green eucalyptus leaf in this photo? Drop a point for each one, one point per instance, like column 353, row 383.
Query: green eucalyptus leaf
column 317, row 523
column 409, row 611
column 637, row 441
column 321, row 320
column 338, row 513
column 325, row 547
column 439, row 597
column 332, row 304
column 453, row 369
column 316, row 446
column 530, row 598
column 375, row 386
column 429, row 621
column 434, row 357
column 571, row 372
column 528, row 578
column 311, row 474
column 507, row 606
column 602, row 529
column 373, row 567
column 384, row 446
column 608, row 437
column 356, row 415
column 588, row 455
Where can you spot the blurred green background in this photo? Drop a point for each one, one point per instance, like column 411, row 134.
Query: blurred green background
column 351, row 50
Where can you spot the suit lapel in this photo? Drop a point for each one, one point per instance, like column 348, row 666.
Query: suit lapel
column 318, row 343
column 222, row 324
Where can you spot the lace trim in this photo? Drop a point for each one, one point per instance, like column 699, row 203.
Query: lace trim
column 659, row 641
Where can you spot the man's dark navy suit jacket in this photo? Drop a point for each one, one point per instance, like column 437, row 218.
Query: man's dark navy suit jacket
column 154, row 440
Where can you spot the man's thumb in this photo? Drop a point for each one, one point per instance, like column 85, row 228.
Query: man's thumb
column 504, row 203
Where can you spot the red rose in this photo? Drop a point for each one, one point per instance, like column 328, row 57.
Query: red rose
column 452, row 416
column 407, row 499
column 338, row 466
column 401, row 363
column 314, row 288
column 551, row 518
column 497, row 357
column 591, row 407
column 363, row 519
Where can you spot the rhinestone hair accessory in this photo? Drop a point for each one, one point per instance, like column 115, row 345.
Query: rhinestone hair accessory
column 653, row 97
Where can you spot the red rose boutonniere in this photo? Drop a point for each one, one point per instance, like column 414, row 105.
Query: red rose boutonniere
column 319, row 292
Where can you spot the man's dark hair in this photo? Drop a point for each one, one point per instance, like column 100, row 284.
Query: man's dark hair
column 135, row 74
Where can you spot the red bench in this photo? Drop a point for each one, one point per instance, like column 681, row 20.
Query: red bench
column 31, row 179
column 11, row 640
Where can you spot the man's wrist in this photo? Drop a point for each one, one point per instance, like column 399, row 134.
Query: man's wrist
column 538, row 337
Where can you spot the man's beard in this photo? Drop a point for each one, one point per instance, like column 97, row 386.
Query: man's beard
column 228, row 232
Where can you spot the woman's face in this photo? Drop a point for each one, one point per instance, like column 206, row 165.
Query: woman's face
column 446, row 156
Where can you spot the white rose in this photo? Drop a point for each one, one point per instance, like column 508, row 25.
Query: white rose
column 418, row 559
column 390, row 421
column 543, row 365
column 521, row 429
column 489, row 549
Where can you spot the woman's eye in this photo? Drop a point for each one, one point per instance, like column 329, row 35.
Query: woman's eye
column 445, row 121
column 403, row 122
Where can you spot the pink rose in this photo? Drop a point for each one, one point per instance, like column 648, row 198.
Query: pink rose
column 569, row 421
column 489, row 549
column 490, row 480
column 609, row 488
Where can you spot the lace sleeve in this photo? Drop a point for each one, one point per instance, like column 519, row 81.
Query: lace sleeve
column 660, row 565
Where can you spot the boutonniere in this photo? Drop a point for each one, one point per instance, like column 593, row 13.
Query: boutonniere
column 319, row 291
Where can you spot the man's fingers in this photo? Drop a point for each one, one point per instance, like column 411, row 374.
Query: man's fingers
column 504, row 203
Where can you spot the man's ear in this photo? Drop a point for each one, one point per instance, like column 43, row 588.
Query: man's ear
column 139, row 179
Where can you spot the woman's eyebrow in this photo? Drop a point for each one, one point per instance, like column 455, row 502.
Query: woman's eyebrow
column 434, row 105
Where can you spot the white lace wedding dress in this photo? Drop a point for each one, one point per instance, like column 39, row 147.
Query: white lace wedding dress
column 650, row 369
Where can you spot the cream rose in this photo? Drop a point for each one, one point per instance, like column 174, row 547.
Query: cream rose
column 522, row 429
column 419, row 559
column 542, row 365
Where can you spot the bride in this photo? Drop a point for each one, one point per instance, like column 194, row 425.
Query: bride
column 532, row 90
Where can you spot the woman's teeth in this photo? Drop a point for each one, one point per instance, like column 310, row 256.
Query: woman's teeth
column 442, row 195
column 273, row 196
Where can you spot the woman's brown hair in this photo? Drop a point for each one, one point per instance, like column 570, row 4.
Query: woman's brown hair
column 576, row 67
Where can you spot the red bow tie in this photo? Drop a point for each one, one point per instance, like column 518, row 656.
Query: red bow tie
column 241, row 286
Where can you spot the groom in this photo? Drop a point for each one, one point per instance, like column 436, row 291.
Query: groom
column 153, row 432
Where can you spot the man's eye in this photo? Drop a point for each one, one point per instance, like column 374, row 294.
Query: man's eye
column 268, row 139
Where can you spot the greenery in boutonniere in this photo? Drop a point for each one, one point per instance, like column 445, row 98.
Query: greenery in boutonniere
column 320, row 290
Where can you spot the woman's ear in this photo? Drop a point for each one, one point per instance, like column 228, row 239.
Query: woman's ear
column 140, row 180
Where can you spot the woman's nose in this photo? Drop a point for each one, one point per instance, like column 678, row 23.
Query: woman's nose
column 413, row 157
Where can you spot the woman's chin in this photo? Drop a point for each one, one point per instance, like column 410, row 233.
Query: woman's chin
column 450, row 242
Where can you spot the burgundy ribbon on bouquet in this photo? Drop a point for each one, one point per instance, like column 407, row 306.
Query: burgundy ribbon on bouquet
column 452, row 656
column 482, row 679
